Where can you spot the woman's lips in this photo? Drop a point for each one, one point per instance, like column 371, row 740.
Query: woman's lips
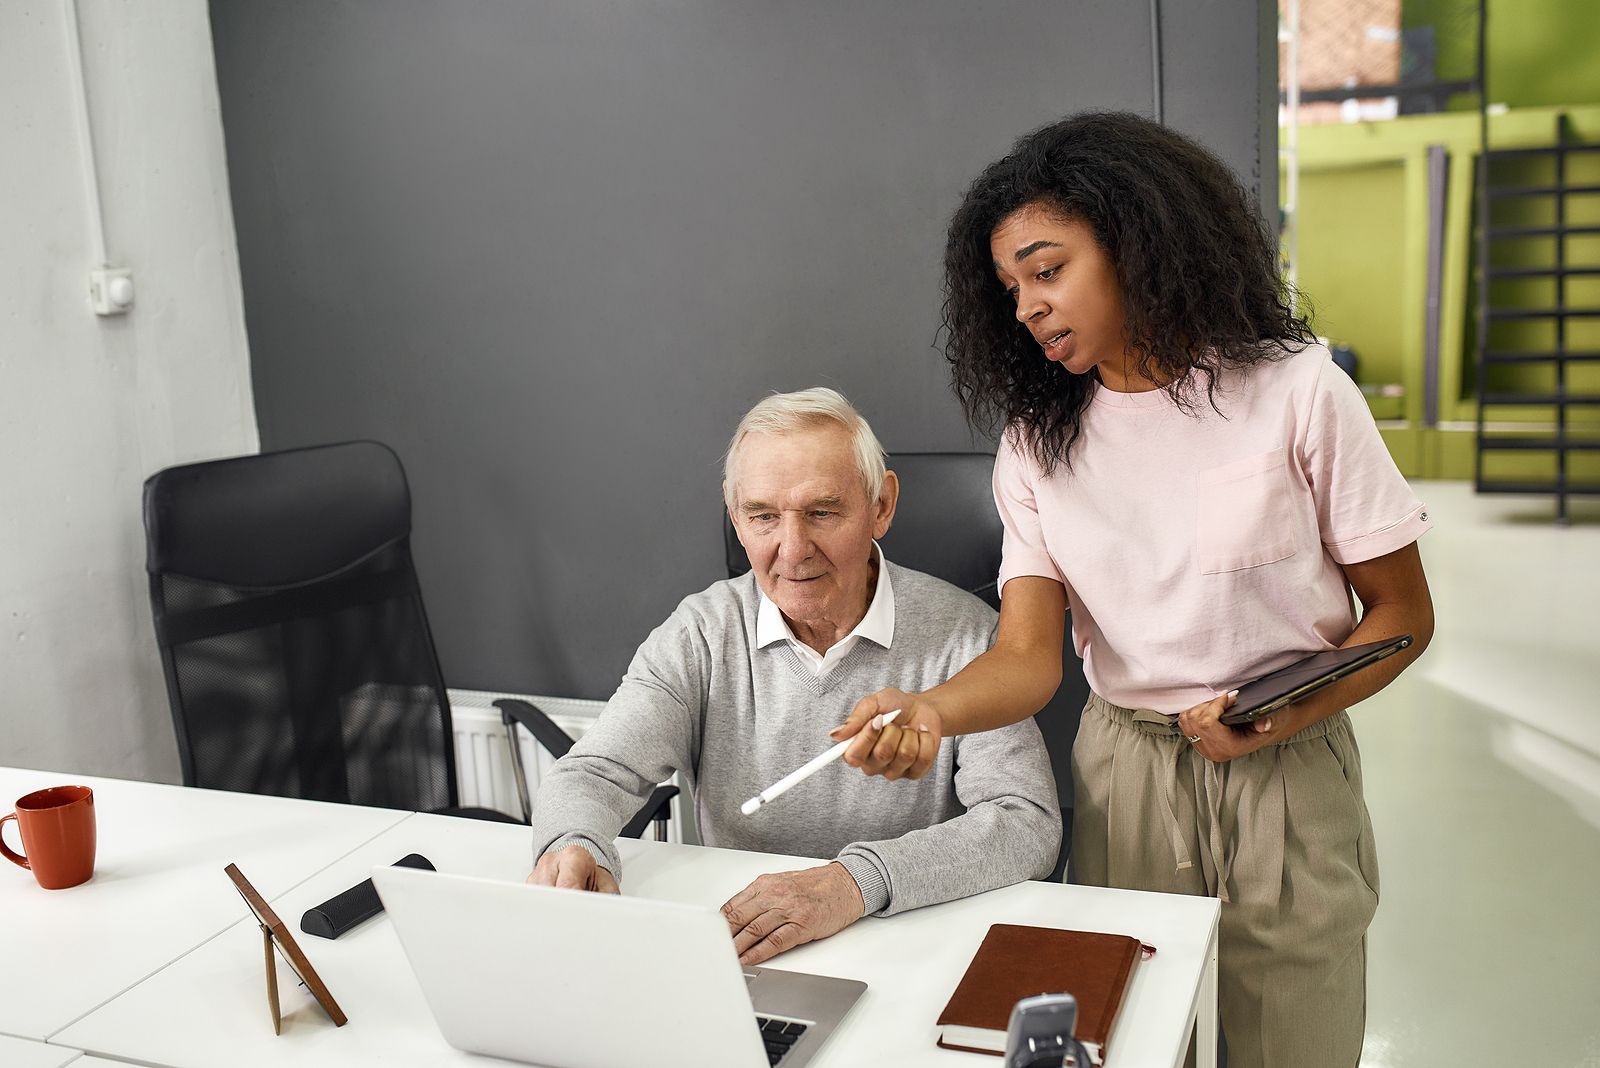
column 1059, row 347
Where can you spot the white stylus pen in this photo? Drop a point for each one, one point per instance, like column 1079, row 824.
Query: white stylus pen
column 811, row 767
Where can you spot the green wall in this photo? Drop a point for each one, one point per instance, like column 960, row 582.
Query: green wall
column 1542, row 53
column 1362, row 262
column 1349, row 262
column 1363, row 217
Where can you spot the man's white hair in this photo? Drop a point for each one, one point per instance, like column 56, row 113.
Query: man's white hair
column 785, row 413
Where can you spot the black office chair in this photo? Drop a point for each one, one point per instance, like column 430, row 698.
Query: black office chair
column 513, row 713
column 297, row 654
column 946, row 525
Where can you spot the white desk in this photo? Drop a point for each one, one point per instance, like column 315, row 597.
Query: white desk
column 208, row 1008
column 24, row 1053
column 158, row 889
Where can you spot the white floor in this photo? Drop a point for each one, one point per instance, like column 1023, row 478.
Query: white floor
column 1482, row 769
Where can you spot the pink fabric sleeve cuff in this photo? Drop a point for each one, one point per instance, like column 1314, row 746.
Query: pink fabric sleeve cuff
column 1387, row 539
column 1021, row 563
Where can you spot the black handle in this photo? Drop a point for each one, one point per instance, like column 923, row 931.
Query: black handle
column 343, row 911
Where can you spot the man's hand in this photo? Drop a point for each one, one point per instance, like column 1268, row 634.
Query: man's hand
column 1218, row 741
column 905, row 748
column 781, row 911
column 573, row 868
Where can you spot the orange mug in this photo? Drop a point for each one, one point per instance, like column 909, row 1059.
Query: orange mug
column 57, row 826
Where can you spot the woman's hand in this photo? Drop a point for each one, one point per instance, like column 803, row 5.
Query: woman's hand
column 905, row 748
column 1216, row 740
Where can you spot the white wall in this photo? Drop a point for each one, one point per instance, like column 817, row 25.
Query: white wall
column 89, row 406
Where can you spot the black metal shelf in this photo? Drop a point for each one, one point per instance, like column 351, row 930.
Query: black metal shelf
column 1499, row 307
column 1560, row 487
column 1537, row 443
column 1377, row 92
column 1498, row 232
column 1544, row 313
column 1563, row 149
column 1551, row 356
column 1543, row 191
column 1558, row 400
column 1541, row 272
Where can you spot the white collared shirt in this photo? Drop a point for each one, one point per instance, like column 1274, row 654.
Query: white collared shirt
column 877, row 624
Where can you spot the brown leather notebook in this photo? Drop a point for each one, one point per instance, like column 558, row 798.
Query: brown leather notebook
column 1016, row 962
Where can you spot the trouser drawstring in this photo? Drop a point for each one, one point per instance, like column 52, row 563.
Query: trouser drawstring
column 1210, row 783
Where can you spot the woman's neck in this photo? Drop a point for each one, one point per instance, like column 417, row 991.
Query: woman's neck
column 1125, row 378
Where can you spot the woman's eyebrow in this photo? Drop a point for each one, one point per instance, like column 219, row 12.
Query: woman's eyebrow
column 1029, row 249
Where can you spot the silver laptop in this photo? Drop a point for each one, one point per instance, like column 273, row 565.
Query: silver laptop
column 569, row 979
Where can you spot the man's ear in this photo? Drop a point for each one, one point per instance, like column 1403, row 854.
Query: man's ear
column 883, row 514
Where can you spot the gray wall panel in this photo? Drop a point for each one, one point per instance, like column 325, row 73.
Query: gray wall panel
column 1216, row 51
column 551, row 251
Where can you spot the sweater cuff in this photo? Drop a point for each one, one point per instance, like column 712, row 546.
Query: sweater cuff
column 588, row 845
column 869, row 880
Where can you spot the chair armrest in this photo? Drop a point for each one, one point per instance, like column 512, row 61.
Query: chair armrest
column 657, row 808
column 544, row 730
column 515, row 713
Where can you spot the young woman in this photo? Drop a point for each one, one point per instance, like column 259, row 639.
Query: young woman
column 1185, row 469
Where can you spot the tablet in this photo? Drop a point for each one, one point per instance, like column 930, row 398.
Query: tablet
column 1305, row 677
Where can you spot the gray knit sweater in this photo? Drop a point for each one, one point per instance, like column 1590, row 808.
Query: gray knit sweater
column 700, row 698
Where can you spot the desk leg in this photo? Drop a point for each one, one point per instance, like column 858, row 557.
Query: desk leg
column 1205, row 1014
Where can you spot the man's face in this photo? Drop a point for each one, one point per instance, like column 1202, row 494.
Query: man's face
column 803, row 517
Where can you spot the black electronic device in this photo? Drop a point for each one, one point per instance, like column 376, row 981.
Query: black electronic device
column 1305, row 677
column 1040, row 1034
column 344, row 911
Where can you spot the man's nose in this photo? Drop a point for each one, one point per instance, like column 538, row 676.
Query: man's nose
column 794, row 539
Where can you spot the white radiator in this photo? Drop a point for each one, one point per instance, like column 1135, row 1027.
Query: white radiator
column 484, row 776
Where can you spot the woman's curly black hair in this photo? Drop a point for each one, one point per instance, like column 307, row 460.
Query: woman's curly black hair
column 1197, row 267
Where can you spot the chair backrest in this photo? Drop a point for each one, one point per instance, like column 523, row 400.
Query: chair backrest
column 946, row 525
column 297, row 654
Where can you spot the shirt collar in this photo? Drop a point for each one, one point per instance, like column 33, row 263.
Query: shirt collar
column 877, row 624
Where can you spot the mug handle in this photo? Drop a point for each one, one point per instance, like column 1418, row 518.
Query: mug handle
column 15, row 858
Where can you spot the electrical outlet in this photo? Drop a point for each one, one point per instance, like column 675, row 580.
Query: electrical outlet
column 111, row 290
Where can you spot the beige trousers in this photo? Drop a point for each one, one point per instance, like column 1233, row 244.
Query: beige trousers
column 1282, row 836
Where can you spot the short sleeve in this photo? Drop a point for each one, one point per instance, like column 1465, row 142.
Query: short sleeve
column 1023, row 549
column 1365, row 507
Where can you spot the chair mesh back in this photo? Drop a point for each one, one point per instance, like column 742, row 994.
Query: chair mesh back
column 325, row 688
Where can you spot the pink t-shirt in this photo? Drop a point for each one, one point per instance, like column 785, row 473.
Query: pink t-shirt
column 1199, row 552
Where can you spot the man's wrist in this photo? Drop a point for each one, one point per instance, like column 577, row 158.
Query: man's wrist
column 585, row 844
column 869, row 882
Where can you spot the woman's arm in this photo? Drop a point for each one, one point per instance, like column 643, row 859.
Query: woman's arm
column 1009, row 683
column 1394, row 600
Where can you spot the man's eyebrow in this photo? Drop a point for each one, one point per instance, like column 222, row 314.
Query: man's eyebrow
column 754, row 507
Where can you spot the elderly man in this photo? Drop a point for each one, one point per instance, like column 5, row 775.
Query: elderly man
column 742, row 683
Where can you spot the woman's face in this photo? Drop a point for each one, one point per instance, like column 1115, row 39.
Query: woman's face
column 1066, row 292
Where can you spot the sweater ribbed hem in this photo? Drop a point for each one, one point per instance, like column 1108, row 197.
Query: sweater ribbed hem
column 869, row 879
column 588, row 845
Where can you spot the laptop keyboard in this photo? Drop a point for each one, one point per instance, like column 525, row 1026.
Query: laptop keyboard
column 779, row 1036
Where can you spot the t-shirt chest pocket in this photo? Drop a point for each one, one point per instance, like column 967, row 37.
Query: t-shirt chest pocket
column 1244, row 515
